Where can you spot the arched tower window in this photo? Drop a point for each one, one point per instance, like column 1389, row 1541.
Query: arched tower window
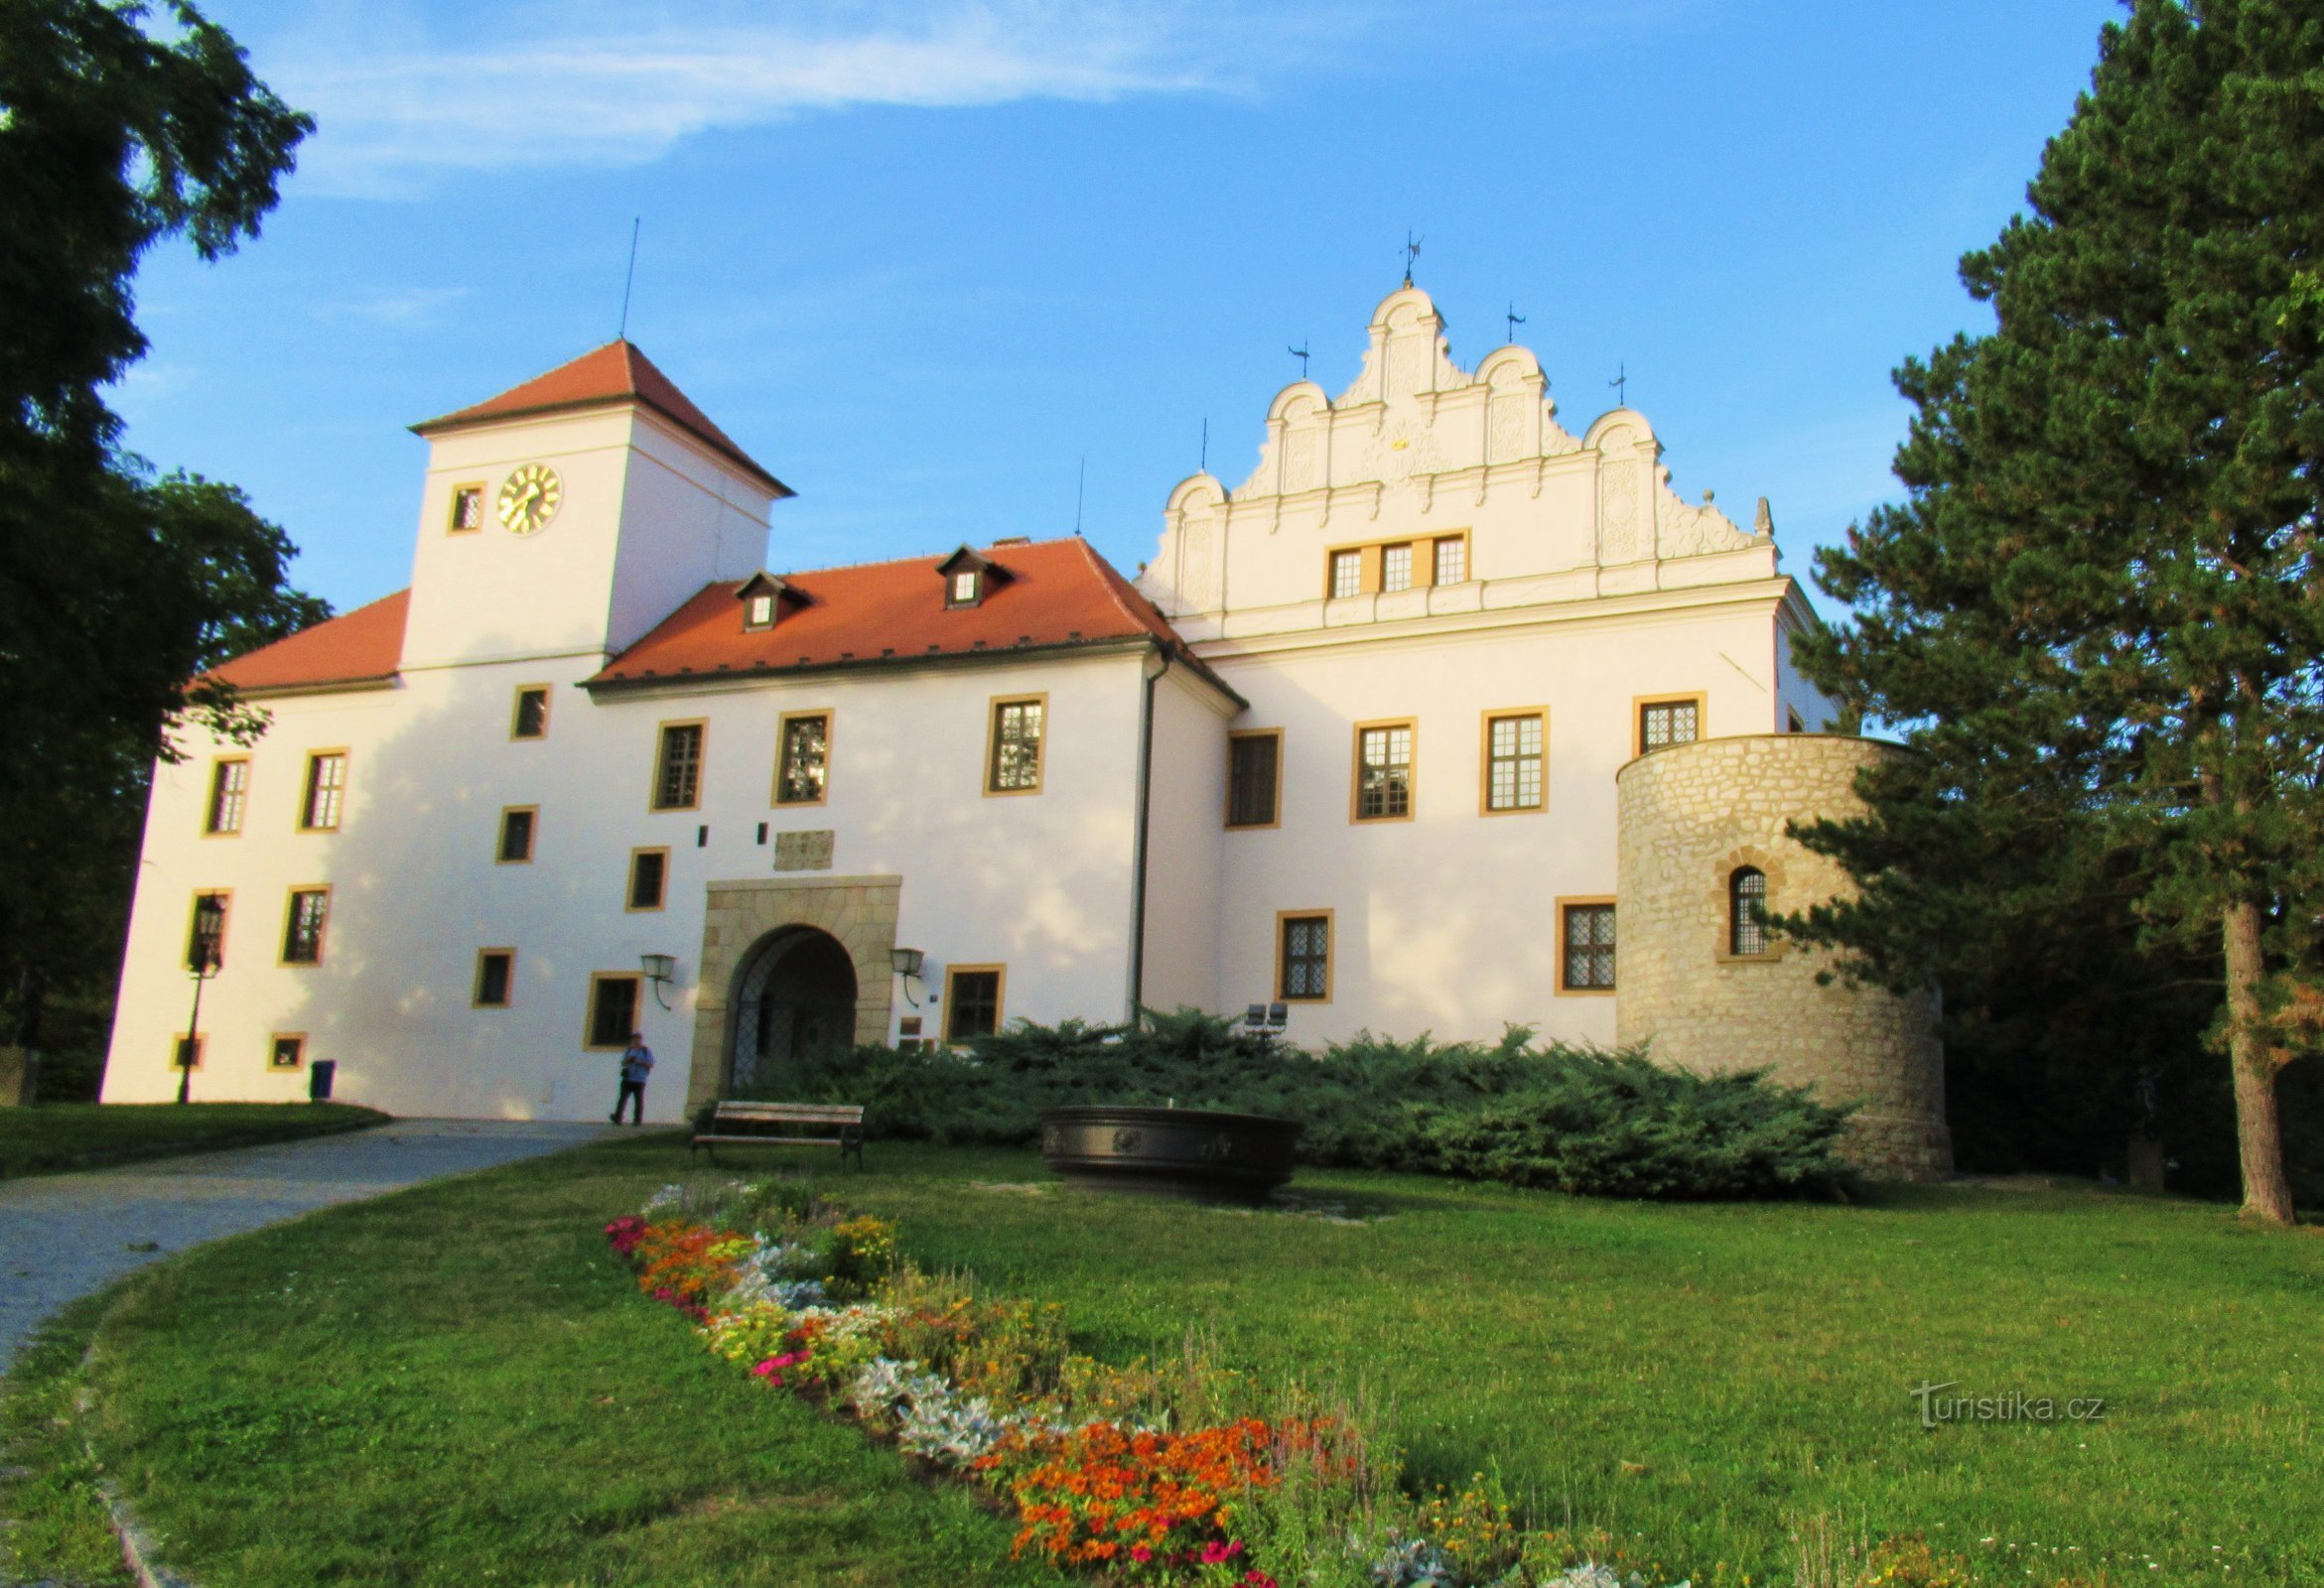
column 1747, row 916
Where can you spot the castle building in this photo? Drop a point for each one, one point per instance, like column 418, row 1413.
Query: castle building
column 1444, row 718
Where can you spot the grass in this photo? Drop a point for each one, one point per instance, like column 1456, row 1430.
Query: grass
column 54, row 1137
column 456, row 1385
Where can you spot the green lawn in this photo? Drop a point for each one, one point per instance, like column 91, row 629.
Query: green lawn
column 457, row 1384
column 52, row 1138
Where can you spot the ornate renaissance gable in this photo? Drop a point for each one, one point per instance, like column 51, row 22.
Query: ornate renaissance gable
column 1419, row 448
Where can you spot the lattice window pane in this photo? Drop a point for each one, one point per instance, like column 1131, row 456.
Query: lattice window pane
column 1385, row 787
column 1589, row 946
column 1514, row 772
column 1451, row 560
column 1671, row 722
column 1396, row 568
column 679, row 778
column 806, row 751
column 1747, row 911
column 1017, row 746
column 1347, row 574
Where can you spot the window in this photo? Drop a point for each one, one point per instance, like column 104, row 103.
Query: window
column 1383, row 780
column 327, row 782
column 971, row 1001
column 531, row 717
column 1512, row 761
column 229, row 793
column 1347, row 574
column 302, row 921
column 649, row 878
column 1664, row 722
column 1013, row 759
column 963, row 592
column 496, row 971
column 1395, row 568
column 516, row 831
column 612, row 1008
column 1451, row 560
column 186, row 1051
column 1746, row 915
column 468, row 510
column 758, row 612
column 287, row 1050
column 1302, row 962
column 206, row 932
column 1255, row 777
column 677, row 770
column 804, row 758
column 1585, row 929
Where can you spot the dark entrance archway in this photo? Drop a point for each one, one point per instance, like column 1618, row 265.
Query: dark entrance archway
column 794, row 998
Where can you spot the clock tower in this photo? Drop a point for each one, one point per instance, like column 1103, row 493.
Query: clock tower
column 567, row 515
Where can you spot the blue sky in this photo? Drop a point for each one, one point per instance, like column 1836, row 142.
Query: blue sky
column 923, row 259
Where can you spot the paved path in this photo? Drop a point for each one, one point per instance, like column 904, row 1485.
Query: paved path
column 62, row 1236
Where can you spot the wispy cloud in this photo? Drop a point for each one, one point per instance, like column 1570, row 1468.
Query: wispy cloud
column 399, row 308
column 593, row 85
column 405, row 98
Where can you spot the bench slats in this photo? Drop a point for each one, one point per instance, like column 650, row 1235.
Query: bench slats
column 846, row 1119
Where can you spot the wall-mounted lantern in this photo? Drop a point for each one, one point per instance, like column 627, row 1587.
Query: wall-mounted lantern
column 661, row 970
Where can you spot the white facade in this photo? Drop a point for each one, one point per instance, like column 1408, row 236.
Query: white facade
column 1585, row 588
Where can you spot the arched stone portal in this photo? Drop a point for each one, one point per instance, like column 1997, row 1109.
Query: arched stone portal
column 854, row 915
column 794, row 998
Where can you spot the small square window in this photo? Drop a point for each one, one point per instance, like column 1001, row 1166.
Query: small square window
column 1347, row 574
column 758, row 612
column 468, row 510
column 1303, row 958
column 287, row 1051
column 613, row 1009
column 531, row 719
column 1395, row 568
column 1662, row 723
column 649, row 878
column 496, row 973
column 229, row 795
column 1451, row 560
column 303, row 923
column 327, row 779
column 186, row 1051
column 972, row 1007
column 966, row 589
column 517, row 825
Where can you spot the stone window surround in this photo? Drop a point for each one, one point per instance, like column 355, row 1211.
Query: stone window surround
column 859, row 911
column 274, row 1042
column 1283, row 919
column 782, row 747
column 1369, row 556
column 1000, row 976
column 211, row 805
column 1041, row 741
column 1485, row 722
column 1411, row 771
column 589, row 1014
column 291, row 925
column 547, row 693
column 661, row 750
column 662, row 899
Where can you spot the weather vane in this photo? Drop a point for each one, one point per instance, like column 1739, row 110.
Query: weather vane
column 1411, row 253
column 1301, row 353
column 1621, row 385
column 1515, row 320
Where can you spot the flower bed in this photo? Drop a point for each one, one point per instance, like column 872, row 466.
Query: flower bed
column 1170, row 1473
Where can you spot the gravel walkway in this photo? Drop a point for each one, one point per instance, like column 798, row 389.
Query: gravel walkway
column 62, row 1236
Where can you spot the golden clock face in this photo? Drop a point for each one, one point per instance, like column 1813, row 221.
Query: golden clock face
column 528, row 500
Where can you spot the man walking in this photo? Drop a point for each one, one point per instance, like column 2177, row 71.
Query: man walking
column 636, row 1065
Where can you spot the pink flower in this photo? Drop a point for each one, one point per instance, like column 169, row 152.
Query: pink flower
column 1254, row 1578
column 1142, row 1554
column 1215, row 1553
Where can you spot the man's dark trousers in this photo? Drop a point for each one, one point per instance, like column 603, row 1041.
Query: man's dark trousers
column 630, row 1090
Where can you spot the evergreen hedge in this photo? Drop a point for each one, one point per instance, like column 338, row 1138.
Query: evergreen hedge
column 1575, row 1120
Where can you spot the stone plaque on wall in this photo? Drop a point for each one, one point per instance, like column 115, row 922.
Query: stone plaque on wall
column 804, row 851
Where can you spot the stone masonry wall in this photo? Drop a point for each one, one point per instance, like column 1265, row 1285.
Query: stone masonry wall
column 1690, row 816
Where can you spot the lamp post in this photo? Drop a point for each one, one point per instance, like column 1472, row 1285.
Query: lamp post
column 204, row 959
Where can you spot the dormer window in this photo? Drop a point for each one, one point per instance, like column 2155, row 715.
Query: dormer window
column 969, row 578
column 761, row 597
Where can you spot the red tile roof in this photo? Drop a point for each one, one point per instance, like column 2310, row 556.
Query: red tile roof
column 617, row 372
column 1045, row 594
column 358, row 647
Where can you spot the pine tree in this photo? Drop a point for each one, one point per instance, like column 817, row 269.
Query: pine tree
column 2100, row 609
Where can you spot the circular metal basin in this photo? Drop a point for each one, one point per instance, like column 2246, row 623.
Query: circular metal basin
column 1183, row 1153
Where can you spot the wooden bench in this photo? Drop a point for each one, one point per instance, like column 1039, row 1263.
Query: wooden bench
column 762, row 1125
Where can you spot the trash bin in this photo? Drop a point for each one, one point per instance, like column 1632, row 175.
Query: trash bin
column 319, row 1077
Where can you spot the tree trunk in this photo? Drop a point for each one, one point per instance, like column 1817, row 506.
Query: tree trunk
column 2259, row 1130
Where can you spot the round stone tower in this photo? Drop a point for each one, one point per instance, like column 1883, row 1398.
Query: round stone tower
column 1703, row 838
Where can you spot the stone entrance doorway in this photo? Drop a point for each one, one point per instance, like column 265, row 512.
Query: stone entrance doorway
column 794, row 999
column 780, row 950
